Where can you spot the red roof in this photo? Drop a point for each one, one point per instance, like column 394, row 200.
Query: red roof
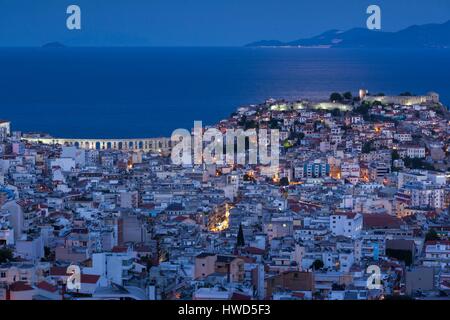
column 119, row 249
column 47, row 286
column 58, row 271
column 20, row 286
column 89, row 278
column 298, row 294
column 446, row 242
column 239, row 296
column 180, row 218
column 85, row 278
column 348, row 214
column 254, row 250
column 381, row 221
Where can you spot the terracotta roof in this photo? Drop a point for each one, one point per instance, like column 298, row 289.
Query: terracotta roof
column 58, row 271
column 85, row 278
column 20, row 286
column 348, row 214
column 180, row 218
column 119, row 249
column 445, row 242
column 44, row 285
column 253, row 250
column 89, row 278
column 381, row 221
column 239, row 296
column 298, row 294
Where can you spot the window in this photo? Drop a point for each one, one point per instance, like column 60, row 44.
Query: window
column 2, row 274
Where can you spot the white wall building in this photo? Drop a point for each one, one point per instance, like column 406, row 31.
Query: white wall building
column 111, row 267
column 346, row 224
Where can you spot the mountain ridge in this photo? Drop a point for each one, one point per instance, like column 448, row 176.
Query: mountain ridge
column 432, row 35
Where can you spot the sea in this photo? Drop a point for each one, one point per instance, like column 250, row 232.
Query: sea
column 149, row 92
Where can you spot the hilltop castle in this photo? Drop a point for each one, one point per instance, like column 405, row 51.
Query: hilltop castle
column 431, row 97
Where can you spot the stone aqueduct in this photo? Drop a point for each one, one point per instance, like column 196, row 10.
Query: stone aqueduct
column 146, row 145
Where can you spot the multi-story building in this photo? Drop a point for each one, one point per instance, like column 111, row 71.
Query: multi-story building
column 348, row 224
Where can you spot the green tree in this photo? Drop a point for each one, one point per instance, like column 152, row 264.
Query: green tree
column 6, row 255
column 377, row 103
column 367, row 147
column 363, row 109
column 431, row 235
column 347, row 95
column 335, row 97
column 252, row 124
column 336, row 112
column 273, row 124
column 416, row 163
column 395, row 155
column 284, row 181
column 240, row 238
column 317, row 265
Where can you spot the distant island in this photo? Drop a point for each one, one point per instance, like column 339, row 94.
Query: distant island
column 54, row 45
column 423, row 36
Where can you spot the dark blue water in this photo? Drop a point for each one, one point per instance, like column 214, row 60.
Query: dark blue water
column 146, row 92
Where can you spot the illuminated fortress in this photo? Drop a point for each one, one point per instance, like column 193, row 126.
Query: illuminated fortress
column 431, row 97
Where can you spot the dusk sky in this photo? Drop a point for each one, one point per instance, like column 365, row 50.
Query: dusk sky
column 200, row 22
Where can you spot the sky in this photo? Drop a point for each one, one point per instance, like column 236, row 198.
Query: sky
column 200, row 22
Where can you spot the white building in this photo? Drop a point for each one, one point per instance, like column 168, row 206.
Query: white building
column 15, row 217
column 111, row 267
column 415, row 152
column 437, row 254
column 72, row 152
column 346, row 224
column 66, row 164
column 30, row 248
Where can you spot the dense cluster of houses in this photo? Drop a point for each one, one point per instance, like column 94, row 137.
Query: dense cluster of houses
column 362, row 185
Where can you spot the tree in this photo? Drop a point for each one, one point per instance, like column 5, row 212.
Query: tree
column 395, row 155
column 273, row 124
column 367, row 147
column 148, row 262
column 336, row 112
column 240, row 237
column 347, row 95
column 48, row 254
column 317, row 264
column 377, row 103
column 417, row 163
column 284, row 181
column 250, row 124
column 363, row 109
column 335, row 97
column 6, row 255
column 432, row 235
